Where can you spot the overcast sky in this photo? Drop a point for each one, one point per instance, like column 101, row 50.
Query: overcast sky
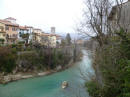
column 63, row 14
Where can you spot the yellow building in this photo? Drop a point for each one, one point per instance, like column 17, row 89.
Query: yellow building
column 2, row 34
column 48, row 40
column 44, row 39
column 52, row 40
column 10, row 28
column 37, row 33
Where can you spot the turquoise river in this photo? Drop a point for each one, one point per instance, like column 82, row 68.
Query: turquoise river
column 50, row 86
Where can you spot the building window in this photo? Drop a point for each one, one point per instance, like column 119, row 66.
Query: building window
column 7, row 28
column 14, row 35
column 1, row 28
column 13, row 29
column 4, row 35
column 7, row 36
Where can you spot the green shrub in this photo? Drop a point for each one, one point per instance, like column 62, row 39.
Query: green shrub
column 113, row 60
column 28, row 49
column 7, row 59
column 14, row 45
column 21, row 42
column 93, row 88
column 2, row 41
column 14, row 50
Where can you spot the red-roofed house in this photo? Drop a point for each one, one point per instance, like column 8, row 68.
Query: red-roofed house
column 11, row 29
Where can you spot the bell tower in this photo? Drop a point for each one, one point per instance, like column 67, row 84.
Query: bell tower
column 53, row 29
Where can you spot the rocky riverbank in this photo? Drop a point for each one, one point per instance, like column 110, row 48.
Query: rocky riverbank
column 19, row 76
column 4, row 79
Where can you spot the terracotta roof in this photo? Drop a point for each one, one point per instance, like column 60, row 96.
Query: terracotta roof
column 55, row 35
column 58, row 36
column 2, row 32
column 37, row 29
column 10, row 18
column 28, row 26
column 50, row 34
column 23, row 28
column 45, row 34
column 8, row 23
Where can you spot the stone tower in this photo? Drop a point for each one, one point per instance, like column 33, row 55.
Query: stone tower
column 52, row 29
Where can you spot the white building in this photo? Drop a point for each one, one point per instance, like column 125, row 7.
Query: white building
column 58, row 39
column 30, row 31
column 23, row 31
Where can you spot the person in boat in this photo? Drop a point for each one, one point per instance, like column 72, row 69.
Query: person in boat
column 64, row 84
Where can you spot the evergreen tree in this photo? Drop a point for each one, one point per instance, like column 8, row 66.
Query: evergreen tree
column 68, row 39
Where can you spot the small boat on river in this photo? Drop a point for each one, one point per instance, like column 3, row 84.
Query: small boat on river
column 64, row 84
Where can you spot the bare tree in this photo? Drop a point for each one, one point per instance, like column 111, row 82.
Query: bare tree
column 96, row 24
column 96, row 19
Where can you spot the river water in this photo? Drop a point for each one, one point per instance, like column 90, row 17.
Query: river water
column 50, row 86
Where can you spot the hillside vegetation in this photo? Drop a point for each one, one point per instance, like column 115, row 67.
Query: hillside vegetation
column 112, row 60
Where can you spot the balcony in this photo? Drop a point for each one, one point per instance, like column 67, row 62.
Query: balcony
column 2, row 29
column 13, row 36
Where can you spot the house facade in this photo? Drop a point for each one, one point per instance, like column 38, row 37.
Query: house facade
column 2, row 34
column 30, row 31
column 36, row 35
column 58, row 39
column 49, row 40
column 11, row 29
column 45, row 39
column 23, row 34
column 11, row 33
column 52, row 40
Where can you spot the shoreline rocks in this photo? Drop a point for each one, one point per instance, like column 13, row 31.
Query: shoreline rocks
column 14, row 77
column 19, row 76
